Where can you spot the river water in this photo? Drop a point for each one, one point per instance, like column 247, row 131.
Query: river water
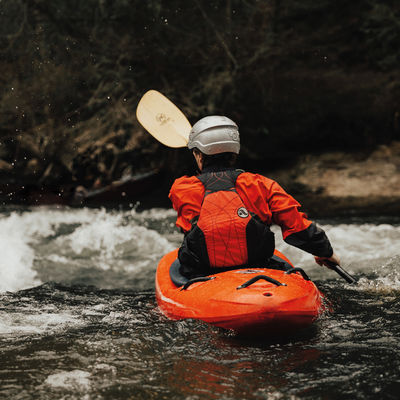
column 78, row 317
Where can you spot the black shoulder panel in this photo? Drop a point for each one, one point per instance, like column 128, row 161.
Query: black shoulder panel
column 219, row 180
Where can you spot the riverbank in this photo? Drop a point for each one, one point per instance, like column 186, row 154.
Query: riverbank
column 328, row 184
column 338, row 183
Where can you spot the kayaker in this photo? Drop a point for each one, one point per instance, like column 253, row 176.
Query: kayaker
column 225, row 213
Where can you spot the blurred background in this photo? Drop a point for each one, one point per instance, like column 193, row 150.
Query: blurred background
column 313, row 86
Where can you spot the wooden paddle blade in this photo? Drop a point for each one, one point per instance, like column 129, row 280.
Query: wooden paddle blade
column 163, row 119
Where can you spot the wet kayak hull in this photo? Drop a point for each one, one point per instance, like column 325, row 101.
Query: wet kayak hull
column 263, row 307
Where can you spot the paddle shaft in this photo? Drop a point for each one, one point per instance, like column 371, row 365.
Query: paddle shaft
column 340, row 271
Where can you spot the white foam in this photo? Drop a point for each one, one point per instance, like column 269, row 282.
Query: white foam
column 155, row 213
column 23, row 323
column 364, row 241
column 18, row 233
column 16, row 255
column 75, row 379
column 40, row 240
column 363, row 249
column 108, row 237
column 99, row 236
column 387, row 277
column 355, row 242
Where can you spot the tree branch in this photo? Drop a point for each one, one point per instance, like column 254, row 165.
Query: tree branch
column 218, row 35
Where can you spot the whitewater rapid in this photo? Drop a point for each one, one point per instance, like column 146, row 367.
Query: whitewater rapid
column 79, row 319
column 116, row 249
column 51, row 244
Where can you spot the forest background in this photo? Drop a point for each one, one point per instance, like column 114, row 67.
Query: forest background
column 313, row 85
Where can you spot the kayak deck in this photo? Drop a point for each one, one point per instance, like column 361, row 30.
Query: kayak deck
column 273, row 301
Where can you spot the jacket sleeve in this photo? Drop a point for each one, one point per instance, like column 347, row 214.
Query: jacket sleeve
column 297, row 230
column 312, row 240
column 186, row 195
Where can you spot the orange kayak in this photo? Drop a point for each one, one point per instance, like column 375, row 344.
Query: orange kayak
column 256, row 301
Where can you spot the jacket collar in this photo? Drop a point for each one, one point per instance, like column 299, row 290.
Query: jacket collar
column 215, row 168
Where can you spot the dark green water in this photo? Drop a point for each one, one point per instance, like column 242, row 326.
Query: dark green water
column 78, row 317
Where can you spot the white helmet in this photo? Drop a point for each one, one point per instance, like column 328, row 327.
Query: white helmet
column 215, row 134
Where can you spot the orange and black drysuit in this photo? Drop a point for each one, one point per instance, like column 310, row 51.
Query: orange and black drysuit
column 245, row 205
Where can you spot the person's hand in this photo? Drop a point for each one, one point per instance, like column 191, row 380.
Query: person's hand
column 334, row 258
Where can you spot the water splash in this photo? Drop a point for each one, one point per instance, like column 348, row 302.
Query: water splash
column 45, row 244
column 76, row 380
column 17, row 255
column 108, row 237
column 29, row 323
column 363, row 249
column 122, row 248
column 384, row 279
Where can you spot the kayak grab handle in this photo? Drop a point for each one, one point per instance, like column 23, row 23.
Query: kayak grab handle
column 257, row 278
column 195, row 280
column 297, row 269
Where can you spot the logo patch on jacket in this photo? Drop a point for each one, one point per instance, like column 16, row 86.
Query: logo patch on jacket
column 242, row 212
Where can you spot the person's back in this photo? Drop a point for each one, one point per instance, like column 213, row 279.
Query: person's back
column 226, row 213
